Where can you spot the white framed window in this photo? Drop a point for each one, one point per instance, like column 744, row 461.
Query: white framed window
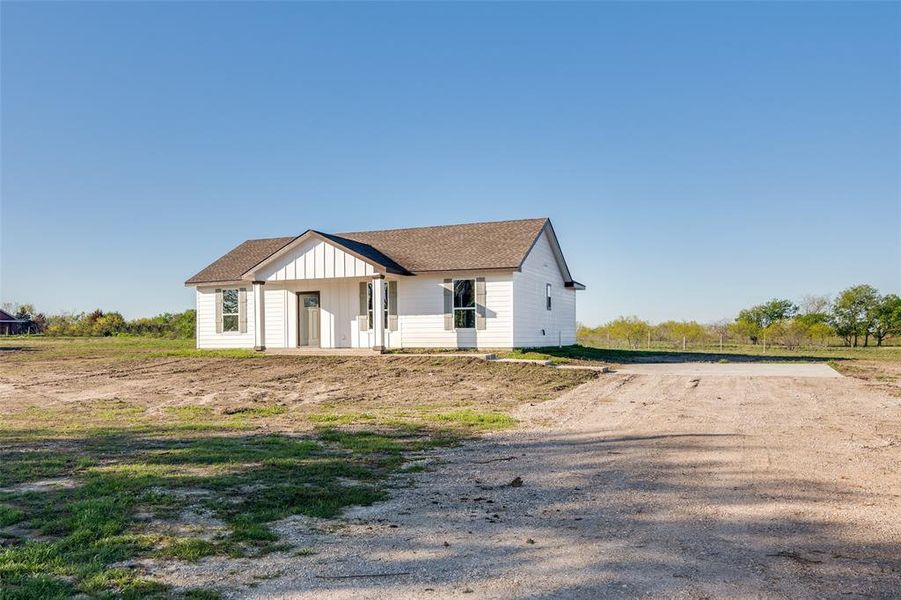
column 547, row 296
column 464, row 303
column 369, row 304
column 230, row 310
column 384, row 304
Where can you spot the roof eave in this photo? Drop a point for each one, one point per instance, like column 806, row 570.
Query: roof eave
column 190, row 283
column 509, row 269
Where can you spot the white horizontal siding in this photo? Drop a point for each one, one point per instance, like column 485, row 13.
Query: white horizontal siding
column 338, row 306
column 420, row 304
column 315, row 259
column 275, row 311
column 420, row 307
column 529, row 309
column 206, row 323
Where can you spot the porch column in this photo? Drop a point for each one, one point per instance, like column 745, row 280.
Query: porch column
column 378, row 313
column 259, row 315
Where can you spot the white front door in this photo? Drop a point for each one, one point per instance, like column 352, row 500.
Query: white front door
column 308, row 319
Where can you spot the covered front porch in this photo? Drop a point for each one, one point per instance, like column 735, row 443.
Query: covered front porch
column 326, row 313
column 316, row 294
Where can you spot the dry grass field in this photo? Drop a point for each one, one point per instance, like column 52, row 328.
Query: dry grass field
column 144, row 468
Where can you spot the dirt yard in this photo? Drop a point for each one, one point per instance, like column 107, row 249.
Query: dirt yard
column 633, row 485
column 663, row 482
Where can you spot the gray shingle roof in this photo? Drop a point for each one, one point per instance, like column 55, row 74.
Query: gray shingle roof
column 240, row 259
column 466, row 247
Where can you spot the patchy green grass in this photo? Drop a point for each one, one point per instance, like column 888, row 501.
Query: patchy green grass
column 201, row 595
column 10, row 515
column 347, row 418
column 461, row 422
column 120, row 348
column 268, row 410
column 87, row 484
column 190, row 411
column 537, row 355
column 119, row 465
column 476, row 420
column 246, row 481
column 197, row 353
column 190, row 549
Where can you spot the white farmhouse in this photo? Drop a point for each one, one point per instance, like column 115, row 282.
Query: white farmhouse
column 480, row 285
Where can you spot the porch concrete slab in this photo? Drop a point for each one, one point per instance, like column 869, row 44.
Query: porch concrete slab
column 748, row 369
column 479, row 355
column 527, row 361
column 323, row 352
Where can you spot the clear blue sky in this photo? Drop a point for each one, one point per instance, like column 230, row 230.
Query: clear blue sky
column 694, row 158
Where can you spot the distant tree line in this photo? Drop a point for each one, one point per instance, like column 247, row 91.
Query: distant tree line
column 98, row 323
column 856, row 316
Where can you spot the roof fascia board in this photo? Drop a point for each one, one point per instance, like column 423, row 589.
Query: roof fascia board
column 555, row 248
column 476, row 270
column 558, row 252
column 212, row 283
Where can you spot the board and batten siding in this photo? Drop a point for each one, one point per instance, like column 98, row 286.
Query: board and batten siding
column 420, row 308
column 530, row 314
column 315, row 259
column 206, row 322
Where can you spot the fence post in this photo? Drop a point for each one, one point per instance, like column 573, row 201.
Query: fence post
column 683, row 343
column 721, row 342
column 649, row 339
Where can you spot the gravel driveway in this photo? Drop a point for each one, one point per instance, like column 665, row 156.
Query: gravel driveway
column 748, row 369
column 651, row 483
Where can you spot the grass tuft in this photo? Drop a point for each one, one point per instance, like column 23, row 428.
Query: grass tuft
column 477, row 420
column 201, row 594
column 190, row 549
column 10, row 515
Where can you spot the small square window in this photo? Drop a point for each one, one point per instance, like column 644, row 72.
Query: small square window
column 229, row 322
column 464, row 319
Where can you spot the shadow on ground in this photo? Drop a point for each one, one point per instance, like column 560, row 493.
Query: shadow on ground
column 674, row 356
column 600, row 515
column 608, row 515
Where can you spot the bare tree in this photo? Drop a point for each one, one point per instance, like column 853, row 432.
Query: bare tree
column 721, row 329
column 11, row 307
column 813, row 304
